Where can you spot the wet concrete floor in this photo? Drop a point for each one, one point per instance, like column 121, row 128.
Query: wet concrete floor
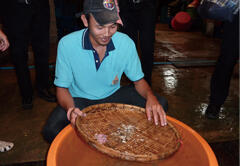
column 185, row 87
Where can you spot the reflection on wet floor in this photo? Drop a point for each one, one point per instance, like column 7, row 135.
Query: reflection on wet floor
column 166, row 50
column 187, row 90
column 170, row 81
column 183, row 45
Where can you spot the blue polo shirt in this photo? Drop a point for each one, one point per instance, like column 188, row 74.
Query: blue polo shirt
column 79, row 69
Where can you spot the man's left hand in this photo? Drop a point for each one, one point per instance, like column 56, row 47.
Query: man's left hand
column 155, row 110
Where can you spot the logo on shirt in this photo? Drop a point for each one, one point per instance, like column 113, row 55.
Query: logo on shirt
column 115, row 81
column 108, row 4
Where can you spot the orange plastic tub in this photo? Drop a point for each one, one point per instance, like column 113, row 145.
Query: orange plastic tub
column 68, row 149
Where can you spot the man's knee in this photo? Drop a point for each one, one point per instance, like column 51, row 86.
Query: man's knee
column 55, row 123
column 49, row 133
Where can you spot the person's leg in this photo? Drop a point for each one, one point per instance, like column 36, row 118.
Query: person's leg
column 40, row 45
column 69, row 20
column 129, row 95
column 147, row 37
column 82, row 103
column 125, row 95
column 130, row 24
column 220, row 81
column 58, row 119
column 19, row 39
column 58, row 14
column 55, row 123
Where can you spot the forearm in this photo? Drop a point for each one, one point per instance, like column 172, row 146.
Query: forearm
column 153, row 107
column 65, row 99
column 143, row 89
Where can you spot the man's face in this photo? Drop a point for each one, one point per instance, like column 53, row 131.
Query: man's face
column 100, row 35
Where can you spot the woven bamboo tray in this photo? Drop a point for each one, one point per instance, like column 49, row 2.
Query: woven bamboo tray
column 123, row 131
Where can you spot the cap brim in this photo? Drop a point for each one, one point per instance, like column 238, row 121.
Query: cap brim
column 106, row 17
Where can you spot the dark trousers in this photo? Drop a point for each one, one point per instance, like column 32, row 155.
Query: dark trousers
column 66, row 20
column 139, row 24
column 229, row 54
column 126, row 95
column 23, row 24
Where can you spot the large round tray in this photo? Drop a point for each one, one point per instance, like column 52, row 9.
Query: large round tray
column 127, row 132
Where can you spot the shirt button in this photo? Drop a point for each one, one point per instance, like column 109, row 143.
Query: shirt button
column 96, row 61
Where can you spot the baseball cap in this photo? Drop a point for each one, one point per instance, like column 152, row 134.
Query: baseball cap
column 104, row 11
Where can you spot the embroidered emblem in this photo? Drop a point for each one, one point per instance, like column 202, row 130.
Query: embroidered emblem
column 109, row 4
column 115, row 81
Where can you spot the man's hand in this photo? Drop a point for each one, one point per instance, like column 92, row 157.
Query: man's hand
column 155, row 110
column 73, row 113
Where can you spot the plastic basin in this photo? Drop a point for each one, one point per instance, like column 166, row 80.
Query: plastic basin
column 68, row 149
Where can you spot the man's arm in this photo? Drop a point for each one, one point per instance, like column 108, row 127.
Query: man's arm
column 153, row 107
column 65, row 100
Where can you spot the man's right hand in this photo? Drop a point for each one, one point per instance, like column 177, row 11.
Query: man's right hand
column 73, row 113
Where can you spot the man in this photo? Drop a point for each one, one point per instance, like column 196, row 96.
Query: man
column 27, row 21
column 89, row 67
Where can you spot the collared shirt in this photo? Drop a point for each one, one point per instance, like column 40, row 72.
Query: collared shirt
column 77, row 71
column 86, row 44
